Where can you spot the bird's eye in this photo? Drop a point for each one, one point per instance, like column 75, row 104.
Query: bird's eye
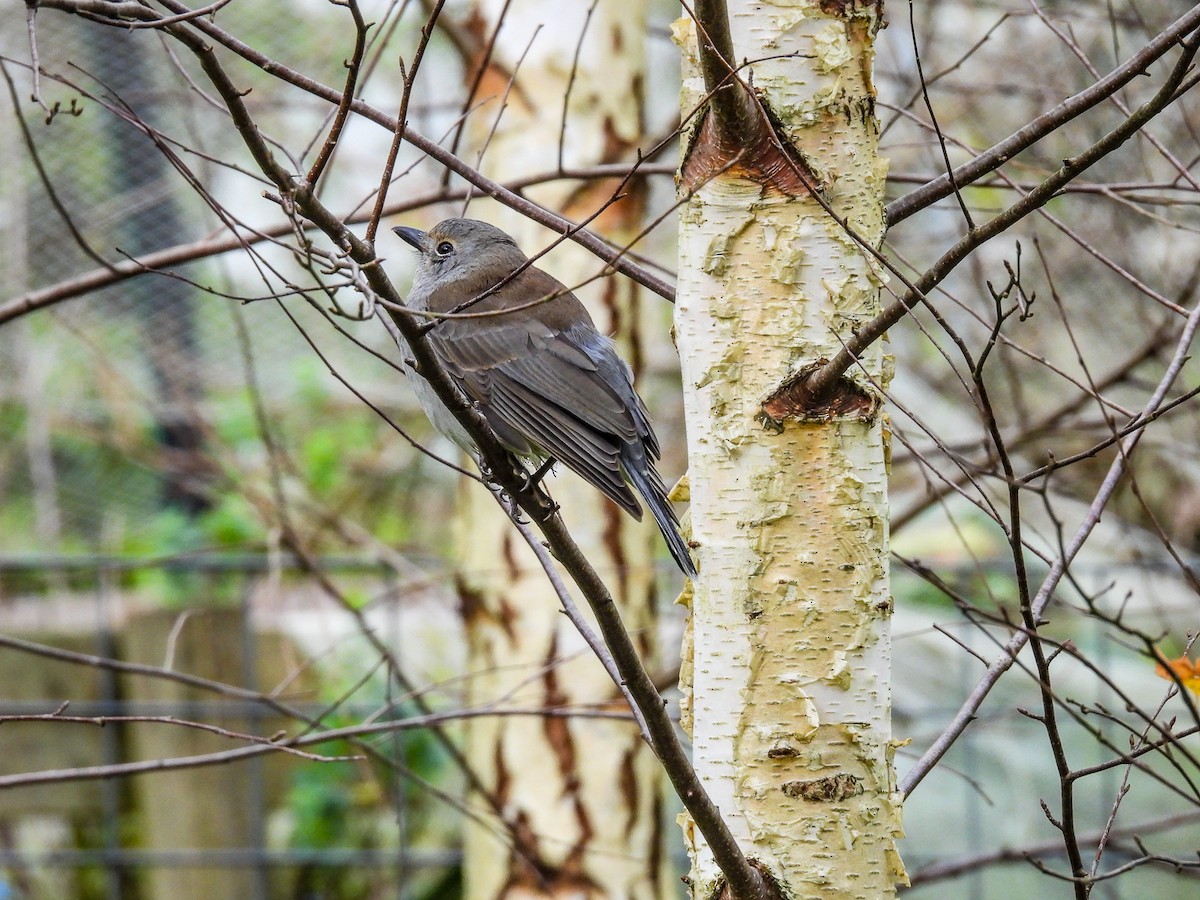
column 445, row 248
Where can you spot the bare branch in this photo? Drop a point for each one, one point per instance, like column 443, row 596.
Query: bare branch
column 343, row 108
column 826, row 377
column 996, row 156
column 1045, row 592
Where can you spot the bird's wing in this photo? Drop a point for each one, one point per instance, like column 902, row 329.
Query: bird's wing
column 546, row 374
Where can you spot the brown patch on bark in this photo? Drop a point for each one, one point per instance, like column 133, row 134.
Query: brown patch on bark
column 572, row 872
column 627, row 782
column 527, row 873
column 510, row 557
column 611, row 536
column 763, row 155
column 655, row 859
column 476, row 26
column 503, row 779
column 569, row 879
column 507, row 620
column 795, row 400
column 556, row 728
column 495, row 78
column 623, row 216
column 531, row 877
column 494, row 83
column 644, row 638
column 473, row 609
column 849, row 9
column 550, row 884
column 470, row 601
column 633, row 336
column 833, row 789
column 610, row 300
column 619, row 216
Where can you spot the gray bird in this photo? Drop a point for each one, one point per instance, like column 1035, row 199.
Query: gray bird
column 549, row 384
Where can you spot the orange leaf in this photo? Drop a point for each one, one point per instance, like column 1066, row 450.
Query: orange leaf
column 1185, row 670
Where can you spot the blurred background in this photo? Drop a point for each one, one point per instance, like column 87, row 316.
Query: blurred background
column 155, row 434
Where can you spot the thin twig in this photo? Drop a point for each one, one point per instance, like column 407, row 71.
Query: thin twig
column 343, row 108
column 1039, row 602
column 410, row 76
column 1028, row 135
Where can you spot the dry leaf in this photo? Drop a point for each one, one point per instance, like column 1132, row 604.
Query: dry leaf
column 1185, row 670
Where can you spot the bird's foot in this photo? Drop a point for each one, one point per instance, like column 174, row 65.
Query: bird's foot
column 511, row 509
column 533, row 482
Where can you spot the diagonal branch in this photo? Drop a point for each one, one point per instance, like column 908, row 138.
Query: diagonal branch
column 824, row 378
column 993, row 158
column 588, row 240
column 508, row 475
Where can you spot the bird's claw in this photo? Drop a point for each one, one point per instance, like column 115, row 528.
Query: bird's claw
column 531, row 482
column 509, row 504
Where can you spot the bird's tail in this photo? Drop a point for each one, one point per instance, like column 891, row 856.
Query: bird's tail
column 649, row 484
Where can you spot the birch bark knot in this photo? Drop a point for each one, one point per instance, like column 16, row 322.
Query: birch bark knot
column 737, row 135
column 761, row 153
column 796, row 399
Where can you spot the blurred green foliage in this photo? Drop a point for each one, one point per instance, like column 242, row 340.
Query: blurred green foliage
column 358, row 807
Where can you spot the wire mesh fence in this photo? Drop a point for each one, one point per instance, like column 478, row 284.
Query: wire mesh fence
column 111, row 819
column 78, row 643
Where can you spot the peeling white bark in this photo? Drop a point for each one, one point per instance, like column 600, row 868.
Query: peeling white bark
column 790, row 641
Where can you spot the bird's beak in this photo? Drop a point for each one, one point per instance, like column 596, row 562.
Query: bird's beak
column 417, row 238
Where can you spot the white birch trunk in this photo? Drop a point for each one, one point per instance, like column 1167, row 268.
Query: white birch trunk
column 586, row 793
column 790, row 626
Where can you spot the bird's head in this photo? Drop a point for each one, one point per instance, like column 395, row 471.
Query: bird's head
column 461, row 250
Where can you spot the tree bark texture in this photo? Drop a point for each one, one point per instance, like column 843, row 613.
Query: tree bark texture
column 790, row 650
column 584, row 794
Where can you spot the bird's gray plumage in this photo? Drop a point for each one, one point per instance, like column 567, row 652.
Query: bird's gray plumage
column 548, row 383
